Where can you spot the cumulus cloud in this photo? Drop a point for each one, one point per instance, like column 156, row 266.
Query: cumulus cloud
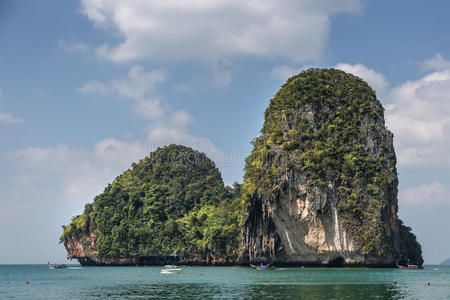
column 94, row 87
column 436, row 63
column 166, row 125
column 418, row 113
column 376, row 80
column 139, row 86
column 171, row 29
column 8, row 118
column 149, row 108
column 136, row 85
column 434, row 193
column 138, row 82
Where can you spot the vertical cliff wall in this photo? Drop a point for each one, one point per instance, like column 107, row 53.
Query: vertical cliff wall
column 320, row 185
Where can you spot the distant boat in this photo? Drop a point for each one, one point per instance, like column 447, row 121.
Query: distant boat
column 263, row 267
column 55, row 266
column 410, row 267
column 170, row 269
column 170, row 266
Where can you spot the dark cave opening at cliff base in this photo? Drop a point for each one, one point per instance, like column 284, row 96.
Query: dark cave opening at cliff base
column 336, row 262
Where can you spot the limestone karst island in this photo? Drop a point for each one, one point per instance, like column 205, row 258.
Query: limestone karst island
column 320, row 189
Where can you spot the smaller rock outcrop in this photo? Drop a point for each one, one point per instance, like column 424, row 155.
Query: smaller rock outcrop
column 171, row 207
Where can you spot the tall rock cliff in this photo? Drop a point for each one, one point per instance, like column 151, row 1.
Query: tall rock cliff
column 320, row 185
column 171, row 207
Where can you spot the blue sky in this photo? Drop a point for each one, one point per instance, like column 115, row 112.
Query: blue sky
column 88, row 87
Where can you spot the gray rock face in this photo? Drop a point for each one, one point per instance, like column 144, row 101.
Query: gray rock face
column 321, row 182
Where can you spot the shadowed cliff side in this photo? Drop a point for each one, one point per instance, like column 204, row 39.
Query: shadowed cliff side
column 320, row 185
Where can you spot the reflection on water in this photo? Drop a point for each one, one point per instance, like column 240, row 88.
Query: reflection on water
column 266, row 291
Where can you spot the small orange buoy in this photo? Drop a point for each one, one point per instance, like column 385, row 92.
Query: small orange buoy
column 362, row 272
column 140, row 275
column 200, row 273
column 70, row 276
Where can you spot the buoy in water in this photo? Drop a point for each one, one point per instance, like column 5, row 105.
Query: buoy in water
column 70, row 276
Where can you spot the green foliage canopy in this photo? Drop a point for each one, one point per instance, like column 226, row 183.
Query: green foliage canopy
column 172, row 202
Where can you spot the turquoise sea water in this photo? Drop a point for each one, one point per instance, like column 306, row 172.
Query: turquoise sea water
column 222, row 283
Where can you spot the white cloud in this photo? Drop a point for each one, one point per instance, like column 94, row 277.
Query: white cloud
column 73, row 47
column 434, row 193
column 181, row 118
column 166, row 125
column 436, row 63
column 149, row 108
column 418, row 113
column 94, row 87
column 138, row 85
column 284, row 72
column 376, row 80
column 8, row 118
column 199, row 29
column 138, row 82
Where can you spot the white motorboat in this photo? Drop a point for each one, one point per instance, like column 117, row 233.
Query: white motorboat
column 170, row 269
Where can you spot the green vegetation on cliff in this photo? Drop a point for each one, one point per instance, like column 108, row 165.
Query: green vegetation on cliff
column 328, row 126
column 172, row 202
